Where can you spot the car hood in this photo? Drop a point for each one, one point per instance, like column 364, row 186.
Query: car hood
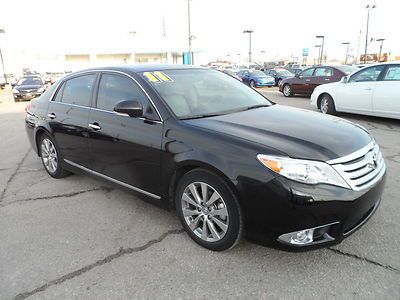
column 27, row 87
column 298, row 133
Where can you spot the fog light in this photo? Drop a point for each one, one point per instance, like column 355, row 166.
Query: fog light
column 308, row 236
column 302, row 237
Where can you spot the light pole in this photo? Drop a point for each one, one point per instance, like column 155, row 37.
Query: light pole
column 249, row 31
column 319, row 52
column 380, row 49
column 322, row 46
column 368, row 7
column 239, row 58
column 190, row 37
column 132, row 33
column 347, row 51
column 1, row 58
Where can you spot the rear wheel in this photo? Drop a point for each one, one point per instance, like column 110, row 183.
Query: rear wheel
column 287, row 90
column 327, row 106
column 208, row 210
column 50, row 157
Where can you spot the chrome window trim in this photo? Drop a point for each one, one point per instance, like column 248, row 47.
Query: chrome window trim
column 81, row 73
column 354, row 155
column 112, row 179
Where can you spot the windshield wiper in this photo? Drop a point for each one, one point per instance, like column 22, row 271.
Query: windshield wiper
column 257, row 106
column 200, row 116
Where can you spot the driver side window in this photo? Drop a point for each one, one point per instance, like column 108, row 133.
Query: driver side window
column 367, row 74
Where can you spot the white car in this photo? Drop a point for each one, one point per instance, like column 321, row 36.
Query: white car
column 373, row 90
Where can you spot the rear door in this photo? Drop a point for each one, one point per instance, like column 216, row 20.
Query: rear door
column 386, row 96
column 322, row 75
column 356, row 95
column 68, row 115
column 124, row 148
column 301, row 83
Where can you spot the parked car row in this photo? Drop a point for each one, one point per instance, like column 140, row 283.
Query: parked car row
column 29, row 87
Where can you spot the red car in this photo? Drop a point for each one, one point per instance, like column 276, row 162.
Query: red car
column 305, row 82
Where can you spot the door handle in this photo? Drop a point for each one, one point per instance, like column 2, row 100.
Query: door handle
column 95, row 126
column 327, row 79
column 308, row 80
column 368, row 89
column 51, row 115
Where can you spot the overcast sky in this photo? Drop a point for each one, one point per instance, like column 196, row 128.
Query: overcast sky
column 281, row 28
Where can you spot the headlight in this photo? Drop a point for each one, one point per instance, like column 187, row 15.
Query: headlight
column 304, row 171
column 41, row 90
column 15, row 91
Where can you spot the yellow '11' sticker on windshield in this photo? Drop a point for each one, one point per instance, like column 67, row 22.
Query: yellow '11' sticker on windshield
column 162, row 76
column 151, row 77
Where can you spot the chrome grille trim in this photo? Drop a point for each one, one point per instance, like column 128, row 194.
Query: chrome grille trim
column 359, row 169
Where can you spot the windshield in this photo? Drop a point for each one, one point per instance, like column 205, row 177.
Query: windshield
column 258, row 73
column 347, row 69
column 284, row 73
column 30, row 81
column 195, row 93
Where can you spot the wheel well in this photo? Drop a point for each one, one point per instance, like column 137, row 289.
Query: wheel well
column 180, row 172
column 39, row 133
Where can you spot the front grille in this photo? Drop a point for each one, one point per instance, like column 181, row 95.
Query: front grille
column 362, row 168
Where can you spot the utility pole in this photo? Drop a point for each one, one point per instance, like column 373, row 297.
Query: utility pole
column 368, row 7
column 380, row 49
column 132, row 33
column 347, row 51
column 319, row 53
column 190, row 33
column 249, row 31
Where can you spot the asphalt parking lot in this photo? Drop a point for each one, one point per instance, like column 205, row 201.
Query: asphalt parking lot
column 77, row 238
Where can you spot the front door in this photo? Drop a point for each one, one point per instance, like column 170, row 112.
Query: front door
column 301, row 83
column 124, row 148
column 356, row 95
column 68, row 115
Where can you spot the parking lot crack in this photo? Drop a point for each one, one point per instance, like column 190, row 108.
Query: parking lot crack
column 66, row 195
column 387, row 267
column 13, row 174
column 122, row 251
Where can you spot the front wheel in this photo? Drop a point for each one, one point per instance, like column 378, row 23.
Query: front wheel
column 287, row 90
column 208, row 210
column 327, row 106
column 252, row 84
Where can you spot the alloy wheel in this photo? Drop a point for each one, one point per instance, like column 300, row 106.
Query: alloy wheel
column 49, row 155
column 287, row 90
column 205, row 211
column 324, row 106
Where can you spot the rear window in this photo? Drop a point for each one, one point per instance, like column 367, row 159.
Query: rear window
column 77, row 91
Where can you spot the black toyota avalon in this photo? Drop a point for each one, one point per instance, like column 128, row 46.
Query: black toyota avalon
column 229, row 160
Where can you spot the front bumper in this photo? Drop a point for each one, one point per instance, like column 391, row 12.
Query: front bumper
column 26, row 96
column 283, row 206
column 272, row 83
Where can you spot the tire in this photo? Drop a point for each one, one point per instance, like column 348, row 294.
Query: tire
column 203, row 224
column 327, row 105
column 16, row 100
column 279, row 82
column 252, row 84
column 287, row 90
column 50, row 156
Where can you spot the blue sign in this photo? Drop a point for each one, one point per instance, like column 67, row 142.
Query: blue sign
column 306, row 51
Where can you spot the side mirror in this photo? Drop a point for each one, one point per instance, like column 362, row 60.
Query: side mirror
column 345, row 79
column 132, row 108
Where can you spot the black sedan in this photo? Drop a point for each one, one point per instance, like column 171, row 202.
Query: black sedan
column 228, row 159
column 279, row 75
column 28, row 87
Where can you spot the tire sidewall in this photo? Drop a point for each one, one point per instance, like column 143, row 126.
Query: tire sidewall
column 290, row 91
column 252, row 84
column 233, row 233
column 331, row 105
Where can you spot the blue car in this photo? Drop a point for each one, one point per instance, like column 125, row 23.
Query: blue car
column 256, row 78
